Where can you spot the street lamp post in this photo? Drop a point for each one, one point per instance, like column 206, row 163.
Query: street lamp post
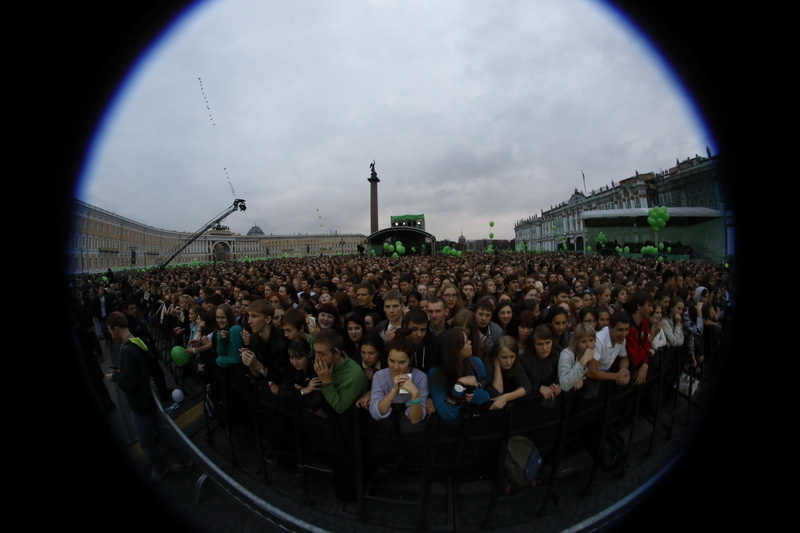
column 342, row 243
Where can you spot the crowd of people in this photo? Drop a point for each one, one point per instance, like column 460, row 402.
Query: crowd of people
column 406, row 339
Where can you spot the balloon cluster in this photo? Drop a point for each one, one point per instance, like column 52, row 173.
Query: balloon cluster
column 649, row 250
column 620, row 249
column 397, row 249
column 657, row 217
column 490, row 248
column 451, row 251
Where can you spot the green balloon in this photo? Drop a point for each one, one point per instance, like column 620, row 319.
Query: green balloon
column 413, row 250
column 458, row 253
column 588, row 248
column 661, row 246
column 179, row 355
column 491, row 224
column 627, row 249
column 395, row 255
column 491, row 235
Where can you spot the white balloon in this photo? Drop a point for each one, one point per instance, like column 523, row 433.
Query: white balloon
column 177, row 395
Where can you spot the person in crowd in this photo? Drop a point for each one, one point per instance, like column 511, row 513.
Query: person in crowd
column 468, row 292
column 459, row 378
column 489, row 329
column 557, row 318
column 507, row 380
column 300, row 383
column 505, row 318
column 488, row 289
column 541, row 364
column 603, row 297
column 343, row 381
column 610, row 349
column 133, row 377
column 603, row 318
column 267, row 357
column 354, row 329
column 619, row 298
column 399, row 387
column 465, row 320
column 437, row 316
column 452, row 301
column 229, row 337
column 103, row 304
column 294, row 325
column 574, row 359
column 139, row 329
column 672, row 322
column 328, row 317
column 372, row 358
column 366, row 301
column 524, row 333
column 413, row 299
column 393, row 309
column 658, row 337
column 589, row 316
column 639, row 342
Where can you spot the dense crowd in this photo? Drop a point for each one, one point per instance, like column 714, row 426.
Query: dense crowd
column 409, row 338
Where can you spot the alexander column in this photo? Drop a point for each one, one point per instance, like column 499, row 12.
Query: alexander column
column 373, row 198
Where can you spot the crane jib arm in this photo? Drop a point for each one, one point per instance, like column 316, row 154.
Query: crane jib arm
column 238, row 205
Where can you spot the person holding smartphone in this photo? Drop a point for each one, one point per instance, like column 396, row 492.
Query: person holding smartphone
column 459, row 377
column 399, row 387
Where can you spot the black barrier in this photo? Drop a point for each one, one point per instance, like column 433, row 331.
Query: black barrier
column 360, row 454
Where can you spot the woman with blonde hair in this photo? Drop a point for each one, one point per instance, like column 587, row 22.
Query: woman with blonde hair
column 573, row 359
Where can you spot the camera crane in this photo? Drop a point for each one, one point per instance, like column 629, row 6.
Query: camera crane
column 238, row 205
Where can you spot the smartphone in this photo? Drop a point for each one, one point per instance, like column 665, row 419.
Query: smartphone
column 402, row 390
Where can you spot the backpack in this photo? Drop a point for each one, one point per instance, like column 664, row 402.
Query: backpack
column 523, row 460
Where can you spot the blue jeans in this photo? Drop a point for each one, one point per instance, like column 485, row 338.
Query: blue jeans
column 150, row 426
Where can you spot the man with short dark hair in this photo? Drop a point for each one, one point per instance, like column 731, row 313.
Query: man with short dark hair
column 366, row 301
column 138, row 328
column 437, row 315
column 268, row 355
column 610, row 346
column 133, row 377
column 490, row 331
column 343, row 380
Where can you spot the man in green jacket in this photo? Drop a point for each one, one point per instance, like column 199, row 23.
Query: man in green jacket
column 343, row 380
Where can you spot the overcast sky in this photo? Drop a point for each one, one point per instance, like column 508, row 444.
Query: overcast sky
column 473, row 111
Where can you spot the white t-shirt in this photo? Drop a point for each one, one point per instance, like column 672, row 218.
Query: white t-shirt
column 604, row 353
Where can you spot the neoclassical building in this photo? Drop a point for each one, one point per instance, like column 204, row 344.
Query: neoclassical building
column 101, row 240
column 691, row 191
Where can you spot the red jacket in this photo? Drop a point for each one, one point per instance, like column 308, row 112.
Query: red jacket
column 638, row 344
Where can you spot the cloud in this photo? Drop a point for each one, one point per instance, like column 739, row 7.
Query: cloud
column 471, row 111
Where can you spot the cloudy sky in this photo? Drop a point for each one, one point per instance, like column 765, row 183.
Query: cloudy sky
column 473, row 112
